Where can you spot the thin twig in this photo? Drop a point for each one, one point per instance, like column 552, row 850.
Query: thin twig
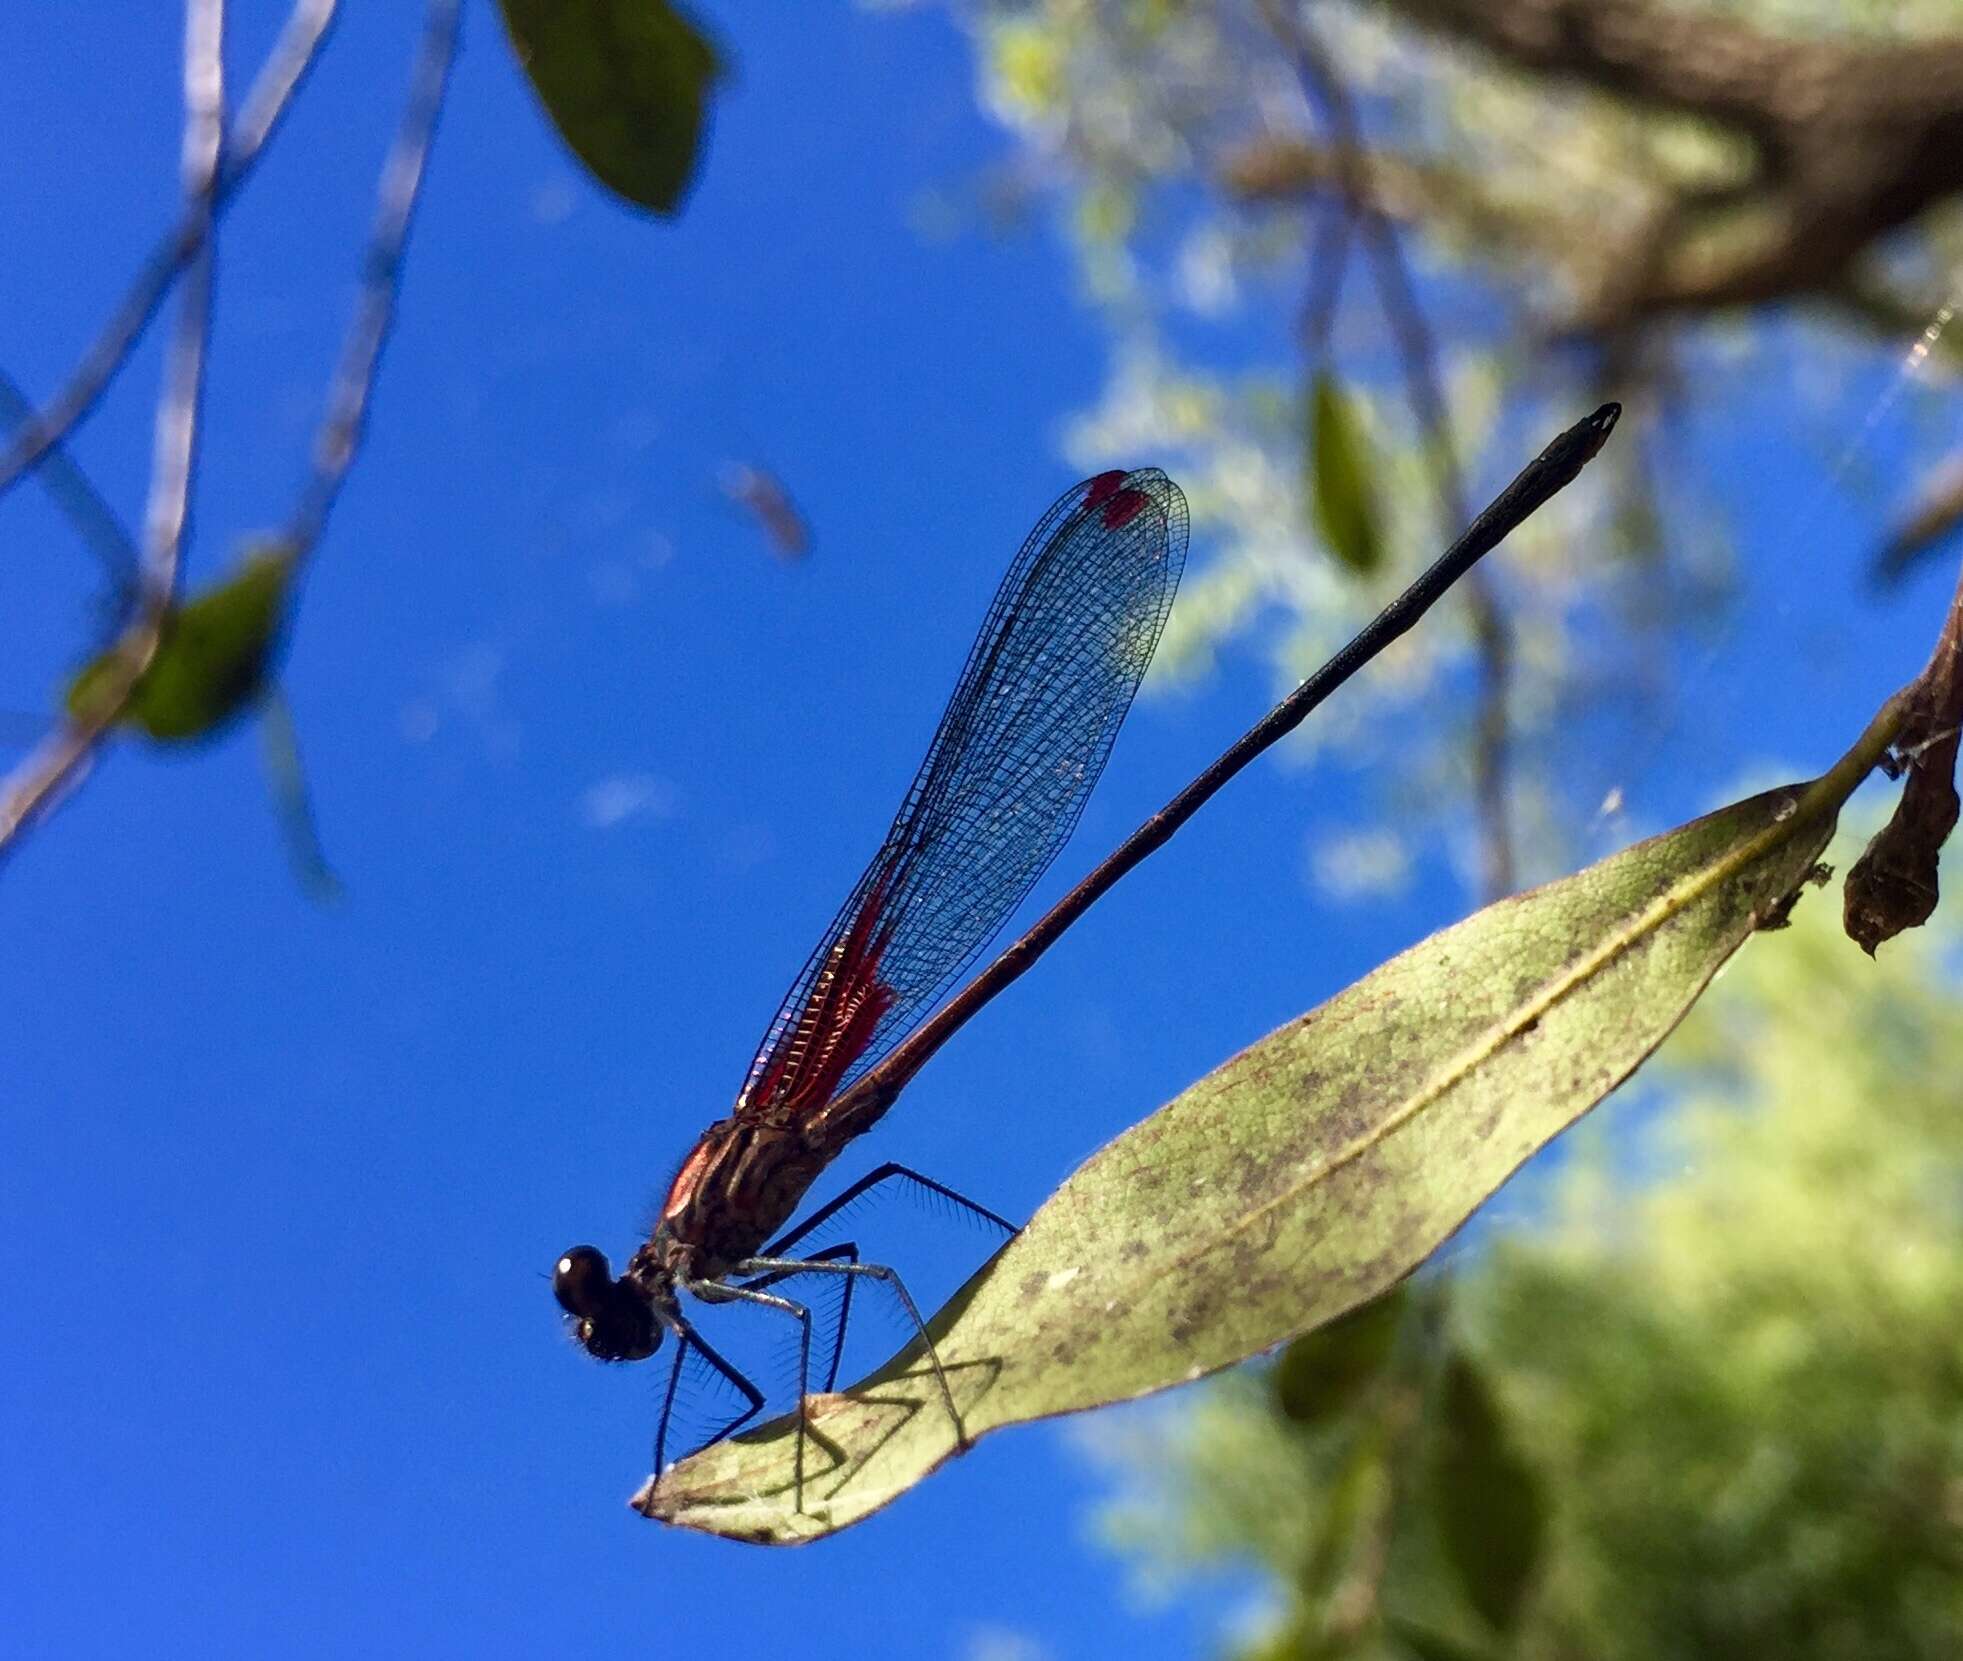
column 1418, row 351
column 396, row 196
column 46, row 773
column 174, row 446
column 1329, row 258
column 266, row 103
column 43, row 777
column 95, row 519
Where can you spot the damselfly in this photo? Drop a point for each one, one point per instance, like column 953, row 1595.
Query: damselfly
column 1018, row 750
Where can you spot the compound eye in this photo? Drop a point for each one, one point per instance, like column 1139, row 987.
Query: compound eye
column 581, row 1281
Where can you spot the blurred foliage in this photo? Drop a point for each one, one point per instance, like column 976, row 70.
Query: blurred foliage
column 214, row 664
column 1131, row 119
column 1337, row 477
column 214, row 657
column 627, row 84
column 1710, row 1404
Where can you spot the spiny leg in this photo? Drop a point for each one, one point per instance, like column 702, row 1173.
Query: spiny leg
column 878, row 1271
column 721, row 1291
column 885, row 1173
column 848, row 1250
column 686, row 1337
column 682, row 1344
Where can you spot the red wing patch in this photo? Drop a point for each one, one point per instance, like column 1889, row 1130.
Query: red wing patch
column 1101, row 489
column 837, row 1022
column 1018, row 748
column 1121, row 506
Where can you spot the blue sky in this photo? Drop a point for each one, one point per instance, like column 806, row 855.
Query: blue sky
column 282, row 1183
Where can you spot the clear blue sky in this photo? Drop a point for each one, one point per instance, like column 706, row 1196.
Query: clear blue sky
column 281, row 1185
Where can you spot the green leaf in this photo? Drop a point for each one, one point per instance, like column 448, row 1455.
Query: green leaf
column 625, row 82
column 1337, row 467
column 1306, row 1176
column 1423, row 1643
column 213, row 658
column 1350, row 1512
column 1488, row 1503
column 1323, row 1372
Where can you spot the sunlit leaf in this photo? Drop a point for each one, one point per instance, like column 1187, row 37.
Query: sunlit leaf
column 627, row 83
column 1027, row 66
column 1323, row 1372
column 1490, row 1514
column 1424, row 1643
column 1106, row 216
column 1291, row 1643
column 213, row 658
column 1337, row 478
column 1351, row 1511
column 1303, row 1178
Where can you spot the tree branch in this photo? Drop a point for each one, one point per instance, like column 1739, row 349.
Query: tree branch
column 267, row 101
column 1849, row 141
column 46, row 773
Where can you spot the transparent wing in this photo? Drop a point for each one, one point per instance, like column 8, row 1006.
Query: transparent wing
column 1018, row 750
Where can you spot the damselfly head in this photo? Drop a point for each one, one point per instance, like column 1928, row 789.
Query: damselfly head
column 612, row 1319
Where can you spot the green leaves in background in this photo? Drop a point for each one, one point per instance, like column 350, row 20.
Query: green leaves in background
column 1323, row 1372
column 1423, row 1644
column 1428, row 1521
column 1489, row 1508
column 1305, row 1177
column 626, row 83
column 1336, row 479
column 213, row 659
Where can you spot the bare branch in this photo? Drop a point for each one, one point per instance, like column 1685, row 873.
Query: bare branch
column 1671, row 56
column 175, row 444
column 46, row 773
column 74, row 492
column 1936, row 516
column 1410, row 191
column 1853, row 140
column 395, row 206
column 266, row 103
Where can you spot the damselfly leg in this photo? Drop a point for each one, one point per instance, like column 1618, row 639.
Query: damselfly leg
column 845, row 1251
column 885, row 1173
column 686, row 1339
column 773, row 1267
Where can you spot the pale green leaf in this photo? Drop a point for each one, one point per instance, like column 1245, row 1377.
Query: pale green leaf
column 1303, row 1178
column 1337, row 468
